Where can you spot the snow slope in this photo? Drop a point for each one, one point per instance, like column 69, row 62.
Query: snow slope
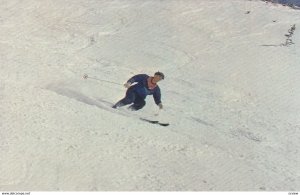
column 233, row 99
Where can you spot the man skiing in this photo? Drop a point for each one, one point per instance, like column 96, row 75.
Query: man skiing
column 138, row 87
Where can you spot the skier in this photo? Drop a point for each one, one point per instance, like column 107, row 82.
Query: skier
column 138, row 87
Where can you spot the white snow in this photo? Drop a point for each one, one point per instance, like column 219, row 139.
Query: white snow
column 233, row 103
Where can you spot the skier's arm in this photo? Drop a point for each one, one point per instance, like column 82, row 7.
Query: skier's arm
column 157, row 97
column 134, row 79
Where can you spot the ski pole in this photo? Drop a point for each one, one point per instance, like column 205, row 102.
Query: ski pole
column 86, row 76
column 157, row 113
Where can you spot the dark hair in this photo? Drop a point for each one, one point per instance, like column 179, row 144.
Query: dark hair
column 160, row 74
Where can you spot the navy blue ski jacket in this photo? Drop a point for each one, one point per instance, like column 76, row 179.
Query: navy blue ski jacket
column 143, row 89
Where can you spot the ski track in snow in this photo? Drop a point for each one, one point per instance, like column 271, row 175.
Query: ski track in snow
column 233, row 105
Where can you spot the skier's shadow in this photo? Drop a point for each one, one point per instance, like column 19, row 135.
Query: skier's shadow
column 76, row 95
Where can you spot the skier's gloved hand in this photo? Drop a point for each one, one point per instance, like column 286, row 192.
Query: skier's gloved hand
column 160, row 106
column 127, row 85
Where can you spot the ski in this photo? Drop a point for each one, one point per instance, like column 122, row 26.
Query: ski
column 155, row 122
column 105, row 105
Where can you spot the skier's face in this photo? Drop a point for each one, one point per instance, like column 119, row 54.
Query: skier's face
column 157, row 78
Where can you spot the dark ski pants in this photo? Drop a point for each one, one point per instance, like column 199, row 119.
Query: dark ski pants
column 131, row 97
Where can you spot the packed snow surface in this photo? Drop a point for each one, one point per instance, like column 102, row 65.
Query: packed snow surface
column 231, row 95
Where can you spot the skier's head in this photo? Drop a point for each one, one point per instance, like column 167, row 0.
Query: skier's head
column 159, row 76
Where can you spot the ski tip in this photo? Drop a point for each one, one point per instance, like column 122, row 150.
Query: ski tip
column 155, row 122
column 164, row 124
column 150, row 121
